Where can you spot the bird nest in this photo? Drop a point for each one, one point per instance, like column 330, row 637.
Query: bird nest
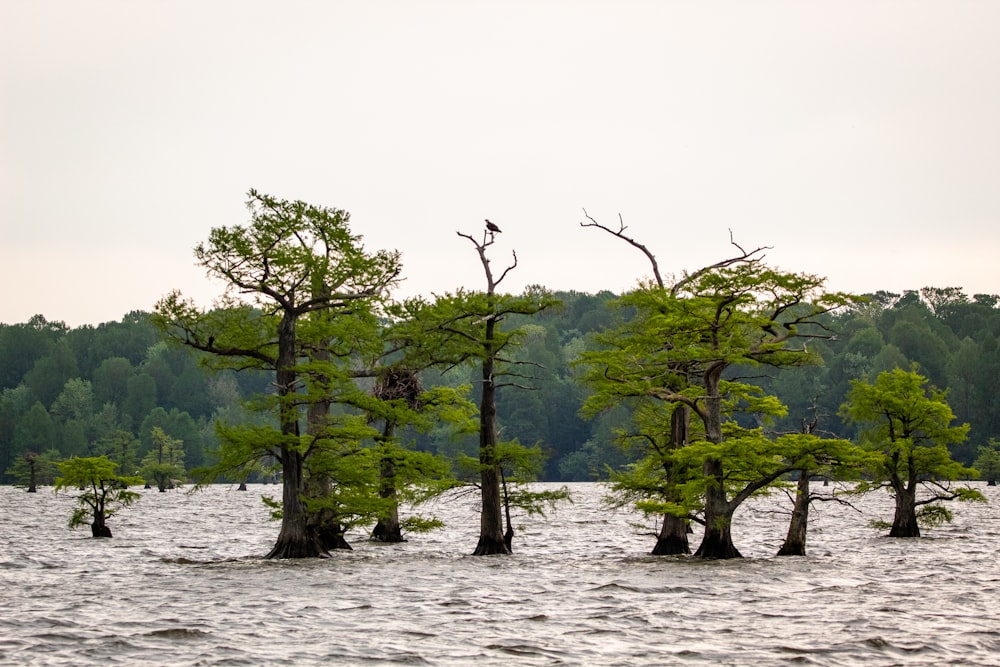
column 399, row 384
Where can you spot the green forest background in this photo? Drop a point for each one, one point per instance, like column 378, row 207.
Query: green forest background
column 104, row 389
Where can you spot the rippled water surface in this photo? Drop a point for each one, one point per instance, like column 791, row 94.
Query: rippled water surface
column 181, row 583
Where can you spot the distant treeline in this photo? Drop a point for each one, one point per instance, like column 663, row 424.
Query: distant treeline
column 98, row 390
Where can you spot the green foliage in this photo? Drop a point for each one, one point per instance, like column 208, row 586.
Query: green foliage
column 906, row 425
column 164, row 464
column 41, row 469
column 909, row 424
column 988, row 461
column 102, row 493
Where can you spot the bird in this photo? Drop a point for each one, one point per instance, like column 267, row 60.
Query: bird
column 493, row 228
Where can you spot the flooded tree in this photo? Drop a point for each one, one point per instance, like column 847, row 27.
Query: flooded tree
column 465, row 328
column 908, row 424
column 32, row 470
column 291, row 261
column 102, row 493
column 164, row 464
column 677, row 346
column 988, row 462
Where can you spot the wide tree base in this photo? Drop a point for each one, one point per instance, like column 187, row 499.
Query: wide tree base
column 491, row 547
column 904, row 521
column 673, row 537
column 307, row 547
column 387, row 533
column 792, row 548
column 717, row 545
column 100, row 531
column 671, row 546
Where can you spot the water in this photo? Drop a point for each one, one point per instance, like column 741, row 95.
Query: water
column 181, row 583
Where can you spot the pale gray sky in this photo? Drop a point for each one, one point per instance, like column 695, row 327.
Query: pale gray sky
column 860, row 139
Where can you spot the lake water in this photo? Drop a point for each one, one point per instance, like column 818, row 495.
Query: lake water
column 181, row 583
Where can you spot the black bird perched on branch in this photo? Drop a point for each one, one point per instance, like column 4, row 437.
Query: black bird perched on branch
column 493, row 228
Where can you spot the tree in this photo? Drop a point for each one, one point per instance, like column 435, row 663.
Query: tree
column 102, row 493
column 908, row 424
column 35, row 432
column 165, row 461
column 988, row 462
column 465, row 328
column 32, row 470
column 817, row 457
column 678, row 348
column 293, row 259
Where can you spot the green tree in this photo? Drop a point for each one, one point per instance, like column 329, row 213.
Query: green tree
column 140, row 396
column 165, row 461
column 988, row 462
column 908, row 424
column 49, row 375
column 35, row 432
column 293, row 259
column 102, row 492
column 14, row 405
column 111, row 381
column 22, row 345
column 675, row 352
column 32, row 470
column 465, row 328
column 121, row 446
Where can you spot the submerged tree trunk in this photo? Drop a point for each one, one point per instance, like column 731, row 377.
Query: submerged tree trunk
column 98, row 528
column 717, row 543
column 795, row 540
column 295, row 539
column 904, row 523
column 673, row 537
column 491, row 533
column 387, row 528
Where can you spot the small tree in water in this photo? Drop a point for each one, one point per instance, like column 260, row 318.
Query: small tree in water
column 908, row 425
column 164, row 464
column 102, row 493
column 988, row 462
column 33, row 470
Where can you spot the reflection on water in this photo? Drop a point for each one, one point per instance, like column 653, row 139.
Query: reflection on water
column 181, row 584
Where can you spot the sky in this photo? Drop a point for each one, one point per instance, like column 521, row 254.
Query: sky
column 858, row 140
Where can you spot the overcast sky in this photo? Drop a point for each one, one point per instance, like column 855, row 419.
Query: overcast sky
column 861, row 140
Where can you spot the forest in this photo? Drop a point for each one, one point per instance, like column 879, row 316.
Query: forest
column 357, row 402
column 102, row 389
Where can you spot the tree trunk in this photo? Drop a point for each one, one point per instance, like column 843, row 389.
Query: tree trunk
column 795, row 540
column 718, row 539
column 717, row 543
column 673, row 537
column 387, row 529
column 98, row 528
column 491, row 534
column 904, row 523
column 295, row 539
